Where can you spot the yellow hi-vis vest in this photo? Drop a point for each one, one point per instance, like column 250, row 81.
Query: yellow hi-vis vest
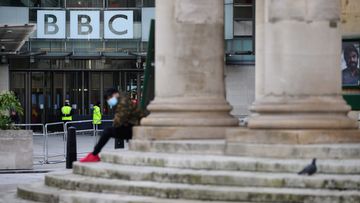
column 96, row 115
column 66, row 110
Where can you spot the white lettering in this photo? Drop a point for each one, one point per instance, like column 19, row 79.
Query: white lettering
column 50, row 24
column 118, row 24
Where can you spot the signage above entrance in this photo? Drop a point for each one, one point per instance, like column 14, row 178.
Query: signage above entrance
column 84, row 24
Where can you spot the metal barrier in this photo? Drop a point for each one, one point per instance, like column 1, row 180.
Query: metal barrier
column 78, row 130
column 47, row 133
column 43, row 156
column 95, row 128
column 63, row 126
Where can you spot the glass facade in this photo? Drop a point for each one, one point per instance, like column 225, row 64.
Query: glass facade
column 53, row 70
column 240, row 48
column 79, row 3
column 42, row 93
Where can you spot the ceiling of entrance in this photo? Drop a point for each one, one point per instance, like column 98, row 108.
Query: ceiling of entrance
column 13, row 37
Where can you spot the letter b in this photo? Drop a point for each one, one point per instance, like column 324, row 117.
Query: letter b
column 52, row 24
column 84, row 24
column 84, row 21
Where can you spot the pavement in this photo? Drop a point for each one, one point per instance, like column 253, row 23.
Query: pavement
column 9, row 179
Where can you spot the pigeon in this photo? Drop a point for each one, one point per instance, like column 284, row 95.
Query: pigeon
column 309, row 169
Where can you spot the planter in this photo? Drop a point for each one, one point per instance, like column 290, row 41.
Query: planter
column 16, row 149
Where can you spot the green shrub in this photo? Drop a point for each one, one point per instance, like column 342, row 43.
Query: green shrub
column 8, row 102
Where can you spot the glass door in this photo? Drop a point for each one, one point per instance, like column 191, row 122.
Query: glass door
column 57, row 96
column 73, row 91
column 18, row 85
column 37, row 98
column 95, row 93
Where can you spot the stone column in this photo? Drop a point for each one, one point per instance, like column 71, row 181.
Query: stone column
column 259, row 48
column 4, row 77
column 299, row 77
column 189, row 72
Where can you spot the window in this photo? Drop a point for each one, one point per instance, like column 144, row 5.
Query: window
column 32, row 3
column 85, row 3
column 14, row 3
column 124, row 3
column 148, row 3
column 243, row 17
column 240, row 49
column 46, row 3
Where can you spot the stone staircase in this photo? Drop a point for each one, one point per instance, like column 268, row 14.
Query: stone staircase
column 203, row 171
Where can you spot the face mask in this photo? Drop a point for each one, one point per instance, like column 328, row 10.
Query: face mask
column 112, row 101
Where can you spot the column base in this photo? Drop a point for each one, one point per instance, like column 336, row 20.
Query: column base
column 302, row 121
column 301, row 112
column 180, row 112
column 178, row 133
column 278, row 136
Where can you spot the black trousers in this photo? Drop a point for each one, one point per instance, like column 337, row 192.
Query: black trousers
column 122, row 132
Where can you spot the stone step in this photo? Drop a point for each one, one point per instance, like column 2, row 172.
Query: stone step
column 320, row 151
column 207, row 177
column 200, row 192
column 13, row 198
column 42, row 193
column 228, row 163
column 214, row 147
column 219, row 147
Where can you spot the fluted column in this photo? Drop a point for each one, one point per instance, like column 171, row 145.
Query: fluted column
column 189, row 71
column 299, row 77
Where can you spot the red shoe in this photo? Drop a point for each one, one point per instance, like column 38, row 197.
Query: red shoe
column 90, row 158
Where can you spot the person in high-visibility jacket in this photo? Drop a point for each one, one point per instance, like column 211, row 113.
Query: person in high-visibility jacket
column 97, row 114
column 66, row 111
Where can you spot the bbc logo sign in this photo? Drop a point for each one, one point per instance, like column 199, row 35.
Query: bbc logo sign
column 84, row 24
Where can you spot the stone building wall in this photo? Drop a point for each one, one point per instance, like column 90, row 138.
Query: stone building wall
column 350, row 18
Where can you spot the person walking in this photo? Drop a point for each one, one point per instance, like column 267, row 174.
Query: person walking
column 66, row 112
column 126, row 116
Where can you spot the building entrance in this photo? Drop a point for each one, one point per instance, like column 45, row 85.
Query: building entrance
column 42, row 93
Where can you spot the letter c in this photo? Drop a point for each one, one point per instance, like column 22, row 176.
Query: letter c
column 111, row 24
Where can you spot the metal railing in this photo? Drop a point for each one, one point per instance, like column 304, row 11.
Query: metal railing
column 45, row 133
column 78, row 130
column 94, row 129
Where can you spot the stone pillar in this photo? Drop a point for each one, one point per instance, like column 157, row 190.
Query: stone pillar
column 4, row 77
column 299, row 77
column 189, row 72
column 259, row 48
